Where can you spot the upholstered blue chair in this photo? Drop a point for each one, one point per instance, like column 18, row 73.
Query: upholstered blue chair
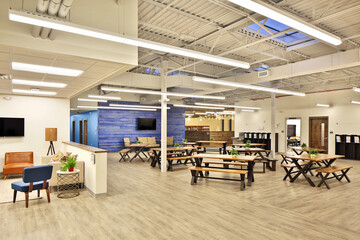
column 34, row 178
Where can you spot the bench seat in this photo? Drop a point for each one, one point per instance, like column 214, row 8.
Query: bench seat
column 332, row 170
column 196, row 172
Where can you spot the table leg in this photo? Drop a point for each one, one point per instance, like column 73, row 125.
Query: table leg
column 250, row 174
column 303, row 171
column 198, row 162
column 224, row 148
column 297, row 153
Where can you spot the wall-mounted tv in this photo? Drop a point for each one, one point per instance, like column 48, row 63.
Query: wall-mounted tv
column 146, row 124
column 12, row 127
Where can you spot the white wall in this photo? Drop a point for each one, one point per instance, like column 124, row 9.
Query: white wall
column 344, row 117
column 297, row 123
column 39, row 113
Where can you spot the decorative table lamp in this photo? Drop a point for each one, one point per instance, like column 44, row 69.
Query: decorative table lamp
column 51, row 135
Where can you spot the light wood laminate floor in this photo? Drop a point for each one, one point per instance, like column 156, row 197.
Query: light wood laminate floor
column 143, row 203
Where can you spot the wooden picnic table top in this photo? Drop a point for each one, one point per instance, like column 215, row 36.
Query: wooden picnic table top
column 307, row 149
column 173, row 149
column 248, row 150
column 319, row 158
column 222, row 142
column 251, row 144
column 225, row 157
column 187, row 143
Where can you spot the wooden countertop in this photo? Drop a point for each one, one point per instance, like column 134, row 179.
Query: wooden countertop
column 85, row 147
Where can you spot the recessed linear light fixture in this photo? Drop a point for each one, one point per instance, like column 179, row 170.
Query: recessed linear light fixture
column 33, row 92
column 189, row 114
column 104, row 97
column 322, row 105
column 91, row 100
column 247, row 86
column 38, row 83
column 159, row 93
column 63, row 25
column 247, row 110
column 199, row 113
column 355, row 102
column 273, row 13
column 45, row 69
column 226, row 106
column 356, row 89
column 135, row 106
column 106, row 107
column 194, row 106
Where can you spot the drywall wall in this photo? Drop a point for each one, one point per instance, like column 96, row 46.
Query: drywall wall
column 39, row 113
column 344, row 117
column 214, row 124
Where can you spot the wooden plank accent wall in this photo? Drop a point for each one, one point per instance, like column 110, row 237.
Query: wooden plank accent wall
column 193, row 136
column 222, row 136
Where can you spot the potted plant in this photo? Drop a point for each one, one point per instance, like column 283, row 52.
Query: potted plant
column 247, row 146
column 138, row 142
column 234, row 153
column 176, row 145
column 69, row 164
column 185, row 140
column 211, row 139
column 303, row 146
column 313, row 153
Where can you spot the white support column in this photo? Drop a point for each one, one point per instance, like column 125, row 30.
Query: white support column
column 163, row 118
column 273, row 125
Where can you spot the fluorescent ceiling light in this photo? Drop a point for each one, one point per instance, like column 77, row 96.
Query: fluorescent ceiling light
column 247, row 86
column 189, row 114
column 247, row 110
column 91, row 100
column 226, row 106
column 322, row 105
column 106, row 107
column 159, row 93
column 200, row 113
column 62, row 25
column 356, row 89
column 104, row 97
column 45, row 69
column 33, row 92
column 210, row 112
column 273, row 13
column 356, row 102
column 38, row 83
column 136, row 106
column 193, row 106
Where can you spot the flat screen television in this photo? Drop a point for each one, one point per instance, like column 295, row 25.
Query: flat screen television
column 12, row 127
column 146, row 124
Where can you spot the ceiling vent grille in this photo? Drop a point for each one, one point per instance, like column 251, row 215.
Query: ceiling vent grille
column 265, row 73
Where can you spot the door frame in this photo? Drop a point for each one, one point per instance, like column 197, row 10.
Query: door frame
column 301, row 130
column 81, row 131
column 328, row 130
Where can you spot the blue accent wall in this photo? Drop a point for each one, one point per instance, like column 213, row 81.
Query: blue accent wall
column 93, row 119
column 115, row 124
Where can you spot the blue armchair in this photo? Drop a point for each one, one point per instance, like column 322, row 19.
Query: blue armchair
column 34, row 178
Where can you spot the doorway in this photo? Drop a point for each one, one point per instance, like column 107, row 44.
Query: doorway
column 85, row 132
column 81, row 131
column 318, row 132
column 73, row 131
column 293, row 132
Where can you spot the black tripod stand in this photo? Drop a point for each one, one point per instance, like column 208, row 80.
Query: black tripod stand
column 51, row 148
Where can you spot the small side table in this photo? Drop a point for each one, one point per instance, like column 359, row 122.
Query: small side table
column 68, row 183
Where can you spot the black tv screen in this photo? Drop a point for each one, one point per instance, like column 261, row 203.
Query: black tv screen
column 146, row 124
column 12, row 127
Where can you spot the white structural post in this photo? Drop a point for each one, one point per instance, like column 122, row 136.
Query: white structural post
column 273, row 125
column 163, row 118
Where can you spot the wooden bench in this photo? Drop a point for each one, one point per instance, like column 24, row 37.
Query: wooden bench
column 171, row 159
column 123, row 154
column 333, row 170
column 289, row 169
column 196, row 172
column 271, row 163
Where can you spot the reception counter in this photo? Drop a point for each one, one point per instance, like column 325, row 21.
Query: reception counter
column 95, row 173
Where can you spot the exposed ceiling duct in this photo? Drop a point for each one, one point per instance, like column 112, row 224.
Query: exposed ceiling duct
column 59, row 8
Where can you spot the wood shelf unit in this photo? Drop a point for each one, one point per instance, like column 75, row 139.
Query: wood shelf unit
column 348, row 145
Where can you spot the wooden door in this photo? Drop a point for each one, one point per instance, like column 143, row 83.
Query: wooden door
column 73, row 131
column 81, row 131
column 318, row 132
column 85, row 132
